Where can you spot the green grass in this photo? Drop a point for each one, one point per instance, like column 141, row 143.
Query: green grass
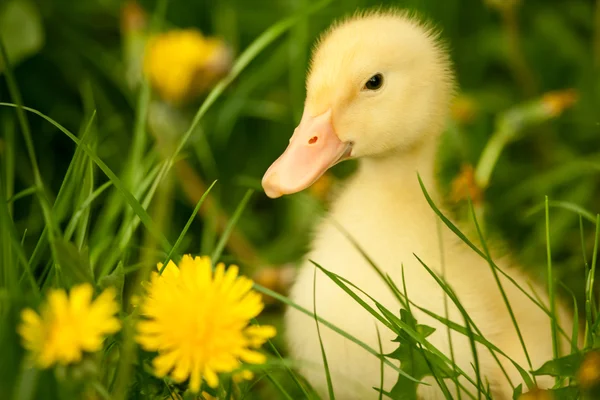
column 89, row 194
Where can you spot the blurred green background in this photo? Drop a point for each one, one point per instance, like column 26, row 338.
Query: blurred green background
column 69, row 59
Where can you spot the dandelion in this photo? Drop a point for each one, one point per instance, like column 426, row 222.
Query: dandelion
column 69, row 325
column 181, row 64
column 198, row 322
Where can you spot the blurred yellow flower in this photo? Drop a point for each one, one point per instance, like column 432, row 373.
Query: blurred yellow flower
column 589, row 370
column 558, row 101
column 69, row 325
column 464, row 186
column 537, row 394
column 181, row 64
column 198, row 322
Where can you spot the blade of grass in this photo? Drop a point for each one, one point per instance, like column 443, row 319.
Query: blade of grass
column 129, row 198
column 478, row 338
column 581, row 237
column 229, row 390
column 417, row 337
column 11, row 245
column 565, row 205
column 101, row 390
column 575, row 330
column 589, row 291
column 63, row 194
column 84, row 219
column 386, row 322
column 84, row 205
column 488, row 257
column 323, row 355
column 439, row 380
column 586, row 269
column 462, row 237
column 454, row 326
column 15, row 95
column 8, row 273
column 23, row 237
column 464, row 313
column 288, row 369
column 279, row 387
column 551, row 290
column 129, row 224
column 7, row 173
column 10, row 239
column 476, row 366
column 23, row 193
column 45, row 275
column 388, row 318
column 446, row 312
column 331, row 326
column 208, row 239
column 381, row 365
column 132, row 174
column 186, row 227
column 216, row 254
column 26, row 386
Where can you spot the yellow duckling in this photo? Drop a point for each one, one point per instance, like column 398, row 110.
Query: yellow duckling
column 379, row 89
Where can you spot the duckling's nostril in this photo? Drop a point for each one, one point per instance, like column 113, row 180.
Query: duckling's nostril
column 313, row 140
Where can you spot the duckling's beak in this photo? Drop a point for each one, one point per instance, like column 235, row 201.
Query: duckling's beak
column 314, row 148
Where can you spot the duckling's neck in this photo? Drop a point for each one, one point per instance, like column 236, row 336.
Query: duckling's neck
column 384, row 198
column 396, row 174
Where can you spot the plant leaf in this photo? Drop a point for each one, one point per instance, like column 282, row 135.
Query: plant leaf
column 566, row 366
column 518, row 392
column 75, row 264
column 415, row 361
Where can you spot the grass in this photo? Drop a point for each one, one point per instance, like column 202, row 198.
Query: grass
column 87, row 192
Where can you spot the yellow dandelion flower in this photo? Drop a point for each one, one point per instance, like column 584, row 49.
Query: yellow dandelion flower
column 198, row 320
column 181, row 64
column 69, row 325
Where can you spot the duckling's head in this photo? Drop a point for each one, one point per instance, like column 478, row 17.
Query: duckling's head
column 379, row 85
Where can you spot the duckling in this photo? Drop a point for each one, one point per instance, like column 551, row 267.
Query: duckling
column 378, row 90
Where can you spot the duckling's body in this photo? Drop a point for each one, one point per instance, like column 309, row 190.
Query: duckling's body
column 392, row 126
column 390, row 235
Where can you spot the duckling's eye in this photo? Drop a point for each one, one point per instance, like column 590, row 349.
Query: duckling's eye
column 374, row 82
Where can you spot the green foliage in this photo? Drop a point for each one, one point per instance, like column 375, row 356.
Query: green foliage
column 415, row 361
column 566, row 366
column 21, row 29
